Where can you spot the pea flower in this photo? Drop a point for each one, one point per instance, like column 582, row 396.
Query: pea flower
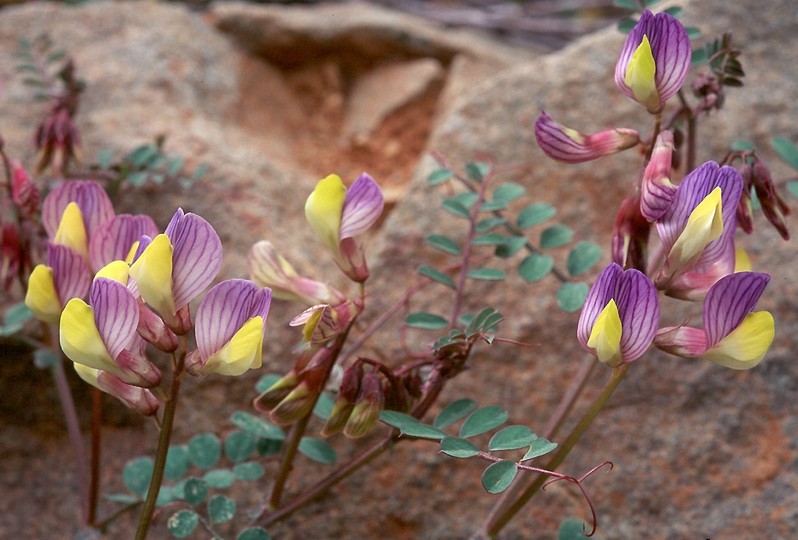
column 322, row 323
column 230, row 325
column 176, row 266
column 268, row 268
column 73, row 211
column 571, row 146
column 620, row 316
column 337, row 215
column 101, row 334
column 697, row 232
column 734, row 335
column 135, row 397
column 654, row 60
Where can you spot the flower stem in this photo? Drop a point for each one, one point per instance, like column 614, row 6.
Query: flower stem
column 160, row 454
column 73, row 429
column 96, row 432
column 495, row 525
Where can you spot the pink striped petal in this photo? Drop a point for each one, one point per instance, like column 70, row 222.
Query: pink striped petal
column 682, row 341
column 71, row 274
column 112, row 240
column 94, row 204
column 362, row 207
column 225, row 309
column 729, row 301
column 571, row 146
column 657, row 190
column 116, row 313
column 197, row 255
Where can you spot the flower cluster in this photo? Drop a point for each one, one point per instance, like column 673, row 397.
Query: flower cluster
column 113, row 284
column 693, row 256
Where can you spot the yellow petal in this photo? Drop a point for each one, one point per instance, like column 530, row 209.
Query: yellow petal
column 704, row 225
column 323, row 210
column 80, row 339
column 87, row 374
column 131, row 252
column 241, row 353
column 640, row 76
column 72, row 231
column 747, row 344
column 42, row 298
column 605, row 337
column 116, row 270
column 742, row 262
column 153, row 274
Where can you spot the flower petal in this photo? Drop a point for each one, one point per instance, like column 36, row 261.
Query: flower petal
column 71, row 231
column 70, row 272
column 682, row 341
column 323, row 210
column 41, row 297
column 638, row 306
column 113, row 240
column 153, row 274
column 597, row 299
column 362, row 208
column 747, row 344
column 570, row 146
column 116, row 314
column 605, row 336
column 197, row 256
column 80, row 339
column 224, row 310
column 657, row 190
column 94, row 204
column 639, row 76
column 270, row 269
column 241, row 353
column 730, row 301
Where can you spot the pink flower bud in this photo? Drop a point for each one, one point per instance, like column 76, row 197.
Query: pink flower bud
column 571, row 146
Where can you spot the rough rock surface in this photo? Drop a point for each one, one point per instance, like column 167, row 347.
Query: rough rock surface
column 700, row 452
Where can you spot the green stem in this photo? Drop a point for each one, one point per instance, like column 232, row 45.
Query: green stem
column 500, row 520
column 160, row 454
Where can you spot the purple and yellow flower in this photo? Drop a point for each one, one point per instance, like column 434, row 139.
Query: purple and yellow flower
column 176, row 266
column 620, row 316
column 654, row 60
column 73, row 211
column 338, row 215
column 101, row 334
column 135, row 397
column 734, row 335
column 697, row 232
column 268, row 268
column 657, row 191
column 230, row 325
column 571, row 146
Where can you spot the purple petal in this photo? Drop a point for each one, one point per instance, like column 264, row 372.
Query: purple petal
column 362, row 207
column 638, row 307
column 197, row 256
column 729, row 301
column 225, row 309
column 633, row 41
column 94, row 204
column 570, row 146
column 682, row 341
column 71, row 274
column 112, row 240
column 657, row 191
column 670, row 46
column 600, row 294
column 116, row 313
column 689, row 194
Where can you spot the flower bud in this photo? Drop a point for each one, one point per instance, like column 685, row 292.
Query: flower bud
column 152, row 328
column 367, row 408
column 630, row 235
column 571, row 146
column 24, row 192
column 773, row 206
column 345, row 403
column 273, row 395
